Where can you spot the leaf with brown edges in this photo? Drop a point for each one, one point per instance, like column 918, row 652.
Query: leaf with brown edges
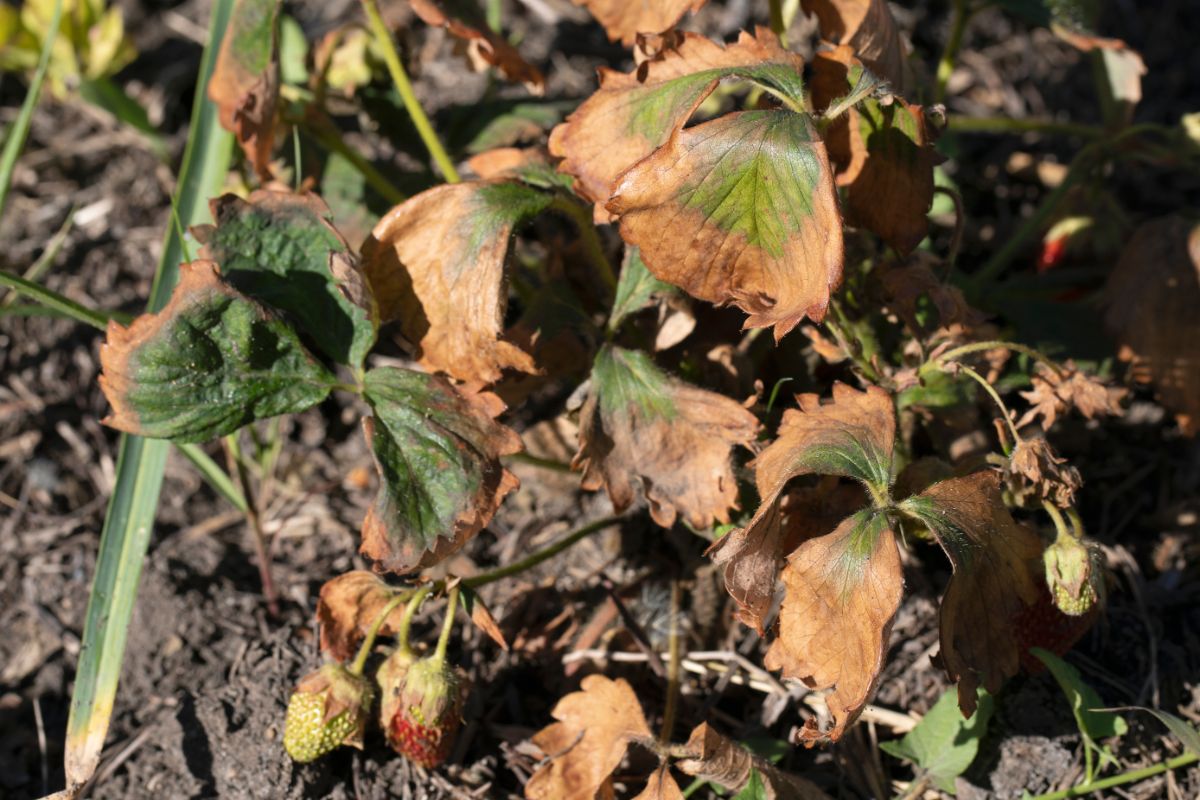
column 739, row 210
column 640, row 426
column 485, row 47
column 623, row 20
column 245, row 80
column 993, row 579
column 711, row 756
column 347, row 607
column 437, row 451
column 843, row 590
column 632, row 114
column 1152, row 296
column 851, row 437
column 595, row 726
column 868, row 27
column 436, row 264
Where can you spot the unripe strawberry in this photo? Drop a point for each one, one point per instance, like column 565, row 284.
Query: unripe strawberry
column 328, row 708
column 422, row 709
column 1075, row 574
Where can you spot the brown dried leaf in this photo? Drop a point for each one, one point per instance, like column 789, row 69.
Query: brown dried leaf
column 436, row 264
column 245, row 81
column 484, row 46
column 624, row 20
column 714, row 757
column 843, row 590
column 904, row 285
column 1056, row 393
column 482, row 617
column 868, row 27
column 348, row 606
column 640, row 426
column 632, row 114
column 661, row 786
column 993, row 581
column 1034, row 464
column 594, row 728
column 1152, row 297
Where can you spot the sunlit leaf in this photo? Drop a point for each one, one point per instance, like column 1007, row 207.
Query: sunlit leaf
column 868, row 27
column 944, row 743
column 245, row 82
column 463, row 19
column 623, row 20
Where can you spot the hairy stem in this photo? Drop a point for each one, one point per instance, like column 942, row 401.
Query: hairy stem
column 383, row 38
column 533, row 559
column 364, row 650
column 410, row 610
column 675, row 650
column 996, row 398
column 956, row 353
column 439, row 655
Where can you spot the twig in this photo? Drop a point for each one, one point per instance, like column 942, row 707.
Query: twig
column 673, row 683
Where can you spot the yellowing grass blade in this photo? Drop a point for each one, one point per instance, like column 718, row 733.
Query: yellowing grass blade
column 131, row 510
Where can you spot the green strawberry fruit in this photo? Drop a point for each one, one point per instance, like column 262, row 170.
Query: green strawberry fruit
column 328, row 709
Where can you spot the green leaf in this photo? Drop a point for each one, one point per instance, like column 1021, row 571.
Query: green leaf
column 207, row 364
column 438, row 456
column 1093, row 723
column 1186, row 733
column 635, row 289
column 628, row 381
column 944, row 743
column 755, row 788
column 282, row 249
column 129, row 520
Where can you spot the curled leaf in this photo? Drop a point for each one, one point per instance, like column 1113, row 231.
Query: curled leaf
column 1152, row 297
column 485, row 47
column 993, row 580
column 623, row 20
column 438, row 456
column 245, row 80
column 641, row 426
column 347, row 607
column 843, row 590
column 739, row 210
column 282, row 249
column 632, row 114
column 712, row 756
column 1056, row 392
column 852, row 437
column 661, row 786
column 480, row 615
column 594, row 728
column 436, row 264
column 209, row 362
column 868, row 27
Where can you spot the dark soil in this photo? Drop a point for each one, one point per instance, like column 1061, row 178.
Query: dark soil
column 208, row 670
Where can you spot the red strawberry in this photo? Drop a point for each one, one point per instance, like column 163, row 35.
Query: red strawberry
column 328, row 709
column 1044, row 625
column 422, row 708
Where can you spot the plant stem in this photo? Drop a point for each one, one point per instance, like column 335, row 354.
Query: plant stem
column 778, row 26
column 993, row 344
column 950, row 55
column 51, row 299
column 368, row 643
column 1125, row 777
column 383, row 38
column 675, row 650
column 959, row 123
column 262, row 547
column 328, row 136
column 439, row 655
column 410, row 610
column 1060, row 525
column 999, row 401
column 533, row 559
column 960, row 224
column 538, row 461
column 839, row 333
column 581, row 216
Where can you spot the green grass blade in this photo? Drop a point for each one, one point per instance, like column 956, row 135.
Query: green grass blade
column 54, row 300
column 211, row 471
column 14, row 143
column 131, row 509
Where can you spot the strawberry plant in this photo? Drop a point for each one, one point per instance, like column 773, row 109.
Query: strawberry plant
column 617, row 276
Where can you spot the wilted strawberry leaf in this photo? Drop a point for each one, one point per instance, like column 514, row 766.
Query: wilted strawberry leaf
column 348, row 605
column 739, row 210
column 595, row 726
column 843, row 590
column 1152, row 297
column 992, row 582
column 438, row 453
column 462, row 18
column 623, row 20
column 661, row 786
column 245, row 81
column 636, row 288
column 632, row 114
column 282, row 249
column 868, row 27
column 850, row 437
column 436, row 264
column 208, row 363
column 639, row 425
column 711, row 756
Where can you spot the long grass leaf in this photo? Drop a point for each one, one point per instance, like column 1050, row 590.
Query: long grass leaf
column 131, row 509
column 14, row 142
